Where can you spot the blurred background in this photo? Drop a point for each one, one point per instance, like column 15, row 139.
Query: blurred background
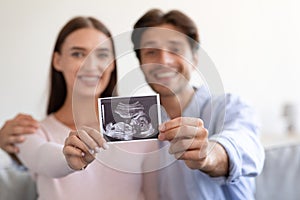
column 253, row 44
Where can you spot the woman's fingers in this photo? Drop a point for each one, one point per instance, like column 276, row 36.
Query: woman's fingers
column 96, row 136
column 73, row 151
column 76, row 152
column 91, row 138
column 74, row 141
column 81, row 145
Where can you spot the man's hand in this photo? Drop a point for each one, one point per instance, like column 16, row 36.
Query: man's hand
column 189, row 142
column 13, row 132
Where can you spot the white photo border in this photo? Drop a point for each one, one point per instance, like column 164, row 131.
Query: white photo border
column 102, row 116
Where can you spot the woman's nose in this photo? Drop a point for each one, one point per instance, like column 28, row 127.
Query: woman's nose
column 91, row 63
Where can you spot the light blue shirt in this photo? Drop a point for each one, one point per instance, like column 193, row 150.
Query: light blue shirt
column 231, row 123
column 15, row 181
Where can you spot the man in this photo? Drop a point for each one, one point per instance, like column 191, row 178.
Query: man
column 13, row 131
column 15, row 181
column 214, row 138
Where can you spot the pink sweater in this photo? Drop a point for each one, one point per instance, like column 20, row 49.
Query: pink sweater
column 42, row 154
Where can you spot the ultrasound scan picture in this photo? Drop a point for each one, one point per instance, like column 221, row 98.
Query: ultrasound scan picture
column 129, row 118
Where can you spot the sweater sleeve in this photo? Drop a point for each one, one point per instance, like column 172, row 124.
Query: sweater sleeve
column 43, row 157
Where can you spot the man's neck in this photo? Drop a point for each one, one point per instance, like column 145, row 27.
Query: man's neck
column 175, row 104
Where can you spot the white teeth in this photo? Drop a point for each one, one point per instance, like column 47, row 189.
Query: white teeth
column 89, row 78
column 165, row 74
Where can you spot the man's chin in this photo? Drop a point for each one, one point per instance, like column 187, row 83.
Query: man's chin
column 162, row 90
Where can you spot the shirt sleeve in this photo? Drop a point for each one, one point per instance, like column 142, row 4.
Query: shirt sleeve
column 15, row 181
column 43, row 157
column 239, row 137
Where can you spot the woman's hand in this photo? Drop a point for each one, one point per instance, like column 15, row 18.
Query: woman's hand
column 13, row 132
column 81, row 146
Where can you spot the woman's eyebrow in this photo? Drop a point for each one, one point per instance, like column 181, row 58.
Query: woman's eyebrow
column 102, row 49
column 77, row 48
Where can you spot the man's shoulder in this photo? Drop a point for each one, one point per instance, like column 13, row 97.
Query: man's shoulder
column 205, row 94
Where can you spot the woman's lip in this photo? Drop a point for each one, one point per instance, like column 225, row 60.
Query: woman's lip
column 91, row 80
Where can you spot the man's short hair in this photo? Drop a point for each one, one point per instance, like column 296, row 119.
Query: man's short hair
column 156, row 17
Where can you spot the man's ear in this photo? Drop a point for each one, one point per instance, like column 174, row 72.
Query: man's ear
column 56, row 60
column 141, row 64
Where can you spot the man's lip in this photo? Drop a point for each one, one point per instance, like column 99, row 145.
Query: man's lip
column 160, row 75
column 169, row 74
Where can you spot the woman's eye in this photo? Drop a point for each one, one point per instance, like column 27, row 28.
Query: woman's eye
column 78, row 54
column 102, row 55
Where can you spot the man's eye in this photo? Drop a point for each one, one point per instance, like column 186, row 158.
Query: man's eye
column 150, row 52
column 78, row 54
column 175, row 50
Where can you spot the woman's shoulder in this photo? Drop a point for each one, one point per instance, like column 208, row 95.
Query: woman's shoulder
column 52, row 121
column 49, row 119
column 53, row 129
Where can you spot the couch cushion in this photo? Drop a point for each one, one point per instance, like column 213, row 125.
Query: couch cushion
column 280, row 178
column 15, row 182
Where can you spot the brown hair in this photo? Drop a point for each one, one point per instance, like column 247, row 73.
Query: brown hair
column 58, row 89
column 156, row 17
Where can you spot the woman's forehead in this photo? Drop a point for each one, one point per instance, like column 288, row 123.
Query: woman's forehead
column 88, row 38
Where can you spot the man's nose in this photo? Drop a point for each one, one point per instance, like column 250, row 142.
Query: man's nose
column 166, row 57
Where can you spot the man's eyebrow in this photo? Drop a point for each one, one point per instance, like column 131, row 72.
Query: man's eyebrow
column 148, row 44
column 175, row 42
column 153, row 43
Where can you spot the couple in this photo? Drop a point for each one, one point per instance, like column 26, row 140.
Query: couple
column 214, row 140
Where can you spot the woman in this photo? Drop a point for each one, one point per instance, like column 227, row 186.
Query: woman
column 83, row 68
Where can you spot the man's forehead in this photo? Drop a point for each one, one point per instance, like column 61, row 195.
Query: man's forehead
column 161, row 42
column 158, row 36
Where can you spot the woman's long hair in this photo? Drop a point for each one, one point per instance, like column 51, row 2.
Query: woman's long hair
column 58, row 88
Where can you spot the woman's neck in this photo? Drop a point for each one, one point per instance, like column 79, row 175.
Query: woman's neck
column 79, row 112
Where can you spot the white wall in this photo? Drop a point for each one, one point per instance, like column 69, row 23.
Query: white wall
column 254, row 45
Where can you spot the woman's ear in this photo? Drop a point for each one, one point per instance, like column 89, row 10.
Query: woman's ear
column 57, row 61
column 195, row 58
